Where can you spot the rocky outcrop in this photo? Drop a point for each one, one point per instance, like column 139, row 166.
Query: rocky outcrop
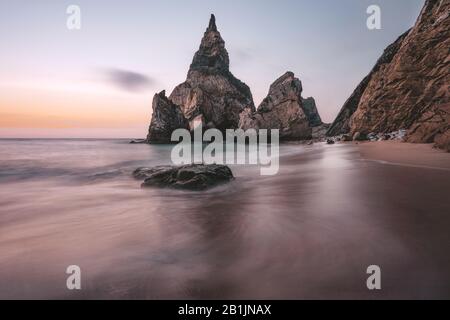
column 341, row 124
column 189, row 177
column 408, row 88
column 211, row 94
column 284, row 109
column 166, row 118
column 320, row 132
column 138, row 141
column 311, row 112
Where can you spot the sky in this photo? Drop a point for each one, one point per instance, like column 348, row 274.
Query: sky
column 99, row 81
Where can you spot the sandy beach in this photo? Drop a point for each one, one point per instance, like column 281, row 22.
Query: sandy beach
column 405, row 154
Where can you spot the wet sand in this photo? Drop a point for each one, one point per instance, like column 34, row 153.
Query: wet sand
column 399, row 153
column 309, row 232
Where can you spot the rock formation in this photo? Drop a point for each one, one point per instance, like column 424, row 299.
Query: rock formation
column 166, row 118
column 310, row 109
column 409, row 86
column 284, row 109
column 211, row 93
column 213, row 96
column 341, row 124
column 190, row 177
column 319, row 133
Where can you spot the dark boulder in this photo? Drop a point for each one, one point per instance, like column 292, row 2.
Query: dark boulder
column 346, row 138
column 194, row 177
column 358, row 136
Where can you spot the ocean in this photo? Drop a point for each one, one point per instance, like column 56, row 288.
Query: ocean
column 311, row 231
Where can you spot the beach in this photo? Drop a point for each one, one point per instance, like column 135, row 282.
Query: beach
column 309, row 232
column 405, row 154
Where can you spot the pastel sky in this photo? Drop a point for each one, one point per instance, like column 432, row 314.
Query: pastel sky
column 99, row 81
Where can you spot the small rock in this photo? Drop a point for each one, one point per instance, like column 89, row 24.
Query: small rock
column 138, row 141
column 359, row 137
column 189, row 177
column 346, row 137
column 330, row 141
column 372, row 137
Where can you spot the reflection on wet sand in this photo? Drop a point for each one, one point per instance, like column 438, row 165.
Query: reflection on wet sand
column 309, row 232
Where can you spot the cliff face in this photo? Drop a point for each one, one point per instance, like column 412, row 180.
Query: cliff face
column 409, row 86
column 284, row 109
column 341, row 124
column 211, row 93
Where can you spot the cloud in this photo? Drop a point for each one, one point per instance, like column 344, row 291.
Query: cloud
column 241, row 55
column 244, row 55
column 129, row 80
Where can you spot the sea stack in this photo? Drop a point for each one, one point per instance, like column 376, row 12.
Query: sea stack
column 284, row 109
column 166, row 118
column 409, row 86
column 211, row 94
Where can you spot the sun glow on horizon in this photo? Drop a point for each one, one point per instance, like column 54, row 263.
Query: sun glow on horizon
column 62, row 106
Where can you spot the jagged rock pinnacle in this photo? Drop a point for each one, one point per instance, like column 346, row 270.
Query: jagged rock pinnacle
column 211, row 94
column 212, row 55
column 212, row 24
